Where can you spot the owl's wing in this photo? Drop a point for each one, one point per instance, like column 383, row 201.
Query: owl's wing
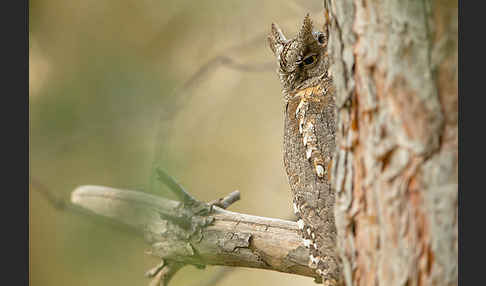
column 308, row 148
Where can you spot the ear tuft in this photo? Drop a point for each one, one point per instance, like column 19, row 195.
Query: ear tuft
column 276, row 38
column 305, row 33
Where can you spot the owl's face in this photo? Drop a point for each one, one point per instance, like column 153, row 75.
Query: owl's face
column 302, row 60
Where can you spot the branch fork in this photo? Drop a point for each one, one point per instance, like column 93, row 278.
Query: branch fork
column 182, row 227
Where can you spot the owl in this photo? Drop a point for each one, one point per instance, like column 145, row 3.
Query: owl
column 309, row 140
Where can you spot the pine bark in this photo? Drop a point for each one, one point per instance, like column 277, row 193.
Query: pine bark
column 394, row 65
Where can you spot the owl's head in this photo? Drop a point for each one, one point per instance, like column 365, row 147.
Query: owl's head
column 302, row 60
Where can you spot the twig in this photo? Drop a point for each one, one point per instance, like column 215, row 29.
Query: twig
column 163, row 273
column 175, row 187
column 226, row 61
column 225, row 202
column 49, row 196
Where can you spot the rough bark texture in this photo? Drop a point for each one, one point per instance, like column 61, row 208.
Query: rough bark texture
column 394, row 65
column 231, row 239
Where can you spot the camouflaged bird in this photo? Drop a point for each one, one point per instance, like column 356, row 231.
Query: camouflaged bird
column 309, row 140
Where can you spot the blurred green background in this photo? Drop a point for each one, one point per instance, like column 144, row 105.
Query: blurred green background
column 102, row 73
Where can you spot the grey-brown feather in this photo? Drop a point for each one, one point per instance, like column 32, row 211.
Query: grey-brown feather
column 309, row 141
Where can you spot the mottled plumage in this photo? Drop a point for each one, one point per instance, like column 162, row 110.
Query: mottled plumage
column 309, row 140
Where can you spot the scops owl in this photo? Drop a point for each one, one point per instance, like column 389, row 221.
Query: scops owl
column 309, row 140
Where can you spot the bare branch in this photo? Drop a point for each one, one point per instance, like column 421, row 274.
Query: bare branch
column 175, row 187
column 226, row 61
column 231, row 239
column 225, row 202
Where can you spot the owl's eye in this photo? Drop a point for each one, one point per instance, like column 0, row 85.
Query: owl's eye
column 319, row 36
column 310, row 60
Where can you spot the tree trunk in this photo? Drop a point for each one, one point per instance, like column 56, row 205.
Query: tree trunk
column 395, row 169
